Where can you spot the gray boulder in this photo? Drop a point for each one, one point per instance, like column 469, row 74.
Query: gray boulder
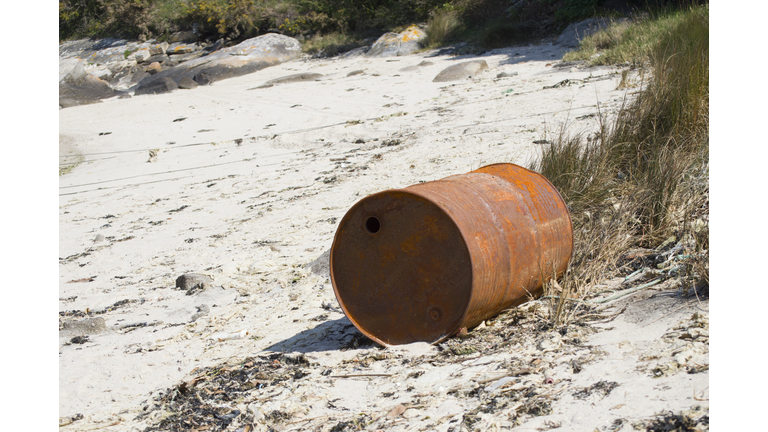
column 140, row 55
column 158, row 49
column 398, row 44
column 71, row 70
column 357, row 52
column 157, row 58
column 163, row 85
column 183, row 36
column 247, row 57
column 574, row 33
column 154, row 68
column 461, row 71
column 77, row 87
column 187, row 83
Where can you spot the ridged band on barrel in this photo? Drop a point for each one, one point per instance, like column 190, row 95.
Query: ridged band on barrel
column 419, row 263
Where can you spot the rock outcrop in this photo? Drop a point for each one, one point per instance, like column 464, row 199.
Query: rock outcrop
column 77, row 87
column 93, row 70
column 247, row 57
column 398, row 44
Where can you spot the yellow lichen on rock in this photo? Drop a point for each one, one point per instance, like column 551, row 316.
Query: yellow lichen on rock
column 413, row 32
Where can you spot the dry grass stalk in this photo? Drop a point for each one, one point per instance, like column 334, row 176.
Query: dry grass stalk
column 644, row 178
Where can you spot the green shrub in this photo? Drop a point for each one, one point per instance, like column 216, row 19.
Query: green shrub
column 502, row 33
column 331, row 44
column 576, row 10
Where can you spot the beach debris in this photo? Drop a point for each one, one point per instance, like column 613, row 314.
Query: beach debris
column 688, row 346
column 430, row 251
column 193, row 282
column 506, row 74
column 230, row 336
column 79, row 340
column 564, row 83
column 68, row 420
column 205, row 401
column 178, row 209
column 576, row 366
column 153, row 155
column 499, row 384
column 602, row 388
column 685, row 421
column 88, row 279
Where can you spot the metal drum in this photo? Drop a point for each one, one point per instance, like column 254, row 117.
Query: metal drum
column 418, row 264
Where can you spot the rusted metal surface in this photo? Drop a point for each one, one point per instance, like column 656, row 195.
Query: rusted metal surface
column 419, row 263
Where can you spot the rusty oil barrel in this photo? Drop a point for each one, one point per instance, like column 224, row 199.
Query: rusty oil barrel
column 418, row 264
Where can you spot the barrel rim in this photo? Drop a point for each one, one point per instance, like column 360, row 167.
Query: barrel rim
column 349, row 316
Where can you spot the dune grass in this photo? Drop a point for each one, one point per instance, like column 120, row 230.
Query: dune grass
column 643, row 179
column 441, row 27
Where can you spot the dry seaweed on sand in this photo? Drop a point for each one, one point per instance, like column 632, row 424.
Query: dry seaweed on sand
column 602, row 388
column 208, row 399
column 687, row 421
column 521, row 343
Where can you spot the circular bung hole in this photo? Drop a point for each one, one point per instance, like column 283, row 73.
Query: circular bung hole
column 372, row 225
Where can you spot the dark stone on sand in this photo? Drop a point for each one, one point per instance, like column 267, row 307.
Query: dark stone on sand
column 193, row 281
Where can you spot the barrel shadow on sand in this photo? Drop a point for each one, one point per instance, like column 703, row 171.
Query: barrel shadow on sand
column 338, row 334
